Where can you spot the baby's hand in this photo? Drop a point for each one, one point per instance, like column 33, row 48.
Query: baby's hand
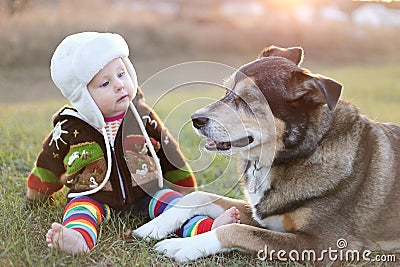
column 34, row 198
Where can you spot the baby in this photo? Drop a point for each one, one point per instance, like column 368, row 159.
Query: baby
column 107, row 169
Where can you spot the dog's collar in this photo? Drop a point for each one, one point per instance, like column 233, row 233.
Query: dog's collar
column 256, row 175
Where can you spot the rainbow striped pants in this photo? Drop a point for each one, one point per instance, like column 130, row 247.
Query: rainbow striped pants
column 84, row 214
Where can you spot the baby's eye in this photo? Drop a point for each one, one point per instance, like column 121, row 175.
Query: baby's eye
column 105, row 84
column 121, row 74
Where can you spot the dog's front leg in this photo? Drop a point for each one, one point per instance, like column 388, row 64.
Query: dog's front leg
column 225, row 238
column 196, row 203
column 191, row 248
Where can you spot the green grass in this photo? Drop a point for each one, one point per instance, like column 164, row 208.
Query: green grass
column 24, row 125
column 27, row 41
column 22, row 229
column 374, row 89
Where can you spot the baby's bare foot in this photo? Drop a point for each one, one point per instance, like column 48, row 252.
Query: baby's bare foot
column 66, row 240
column 231, row 215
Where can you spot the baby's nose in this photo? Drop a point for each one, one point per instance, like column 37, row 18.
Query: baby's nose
column 119, row 85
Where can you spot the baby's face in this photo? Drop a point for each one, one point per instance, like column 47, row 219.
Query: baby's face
column 112, row 89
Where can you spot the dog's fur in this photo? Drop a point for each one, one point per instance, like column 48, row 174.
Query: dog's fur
column 314, row 169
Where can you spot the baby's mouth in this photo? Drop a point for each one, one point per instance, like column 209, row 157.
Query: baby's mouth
column 122, row 98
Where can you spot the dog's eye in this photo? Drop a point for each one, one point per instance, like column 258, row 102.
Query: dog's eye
column 249, row 97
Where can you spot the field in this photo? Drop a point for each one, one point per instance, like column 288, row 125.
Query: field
column 367, row 67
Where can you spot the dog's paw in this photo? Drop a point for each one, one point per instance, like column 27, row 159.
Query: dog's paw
column 156, row 229
column 190, row 248
column 164, row 224
column 150, row 231
column 142, row 232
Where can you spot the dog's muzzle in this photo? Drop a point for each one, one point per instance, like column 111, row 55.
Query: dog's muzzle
column 199, row 122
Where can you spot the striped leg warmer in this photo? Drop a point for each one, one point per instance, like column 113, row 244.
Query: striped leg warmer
column 84, row 215
column 167, row 198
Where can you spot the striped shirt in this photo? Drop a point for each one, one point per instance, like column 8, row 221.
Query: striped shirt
column 112, row 126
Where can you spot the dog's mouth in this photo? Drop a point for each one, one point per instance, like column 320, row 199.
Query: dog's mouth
column 212, row 145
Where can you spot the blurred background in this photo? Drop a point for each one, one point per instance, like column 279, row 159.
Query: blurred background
column 355, row 42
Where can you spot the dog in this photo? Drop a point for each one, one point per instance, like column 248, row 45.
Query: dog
column 317, row 174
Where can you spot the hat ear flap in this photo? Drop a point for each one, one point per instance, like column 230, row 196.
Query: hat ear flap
column 315, row 89
column 86, row 106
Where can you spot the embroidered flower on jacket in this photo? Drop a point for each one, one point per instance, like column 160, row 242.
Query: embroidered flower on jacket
column 96, row 171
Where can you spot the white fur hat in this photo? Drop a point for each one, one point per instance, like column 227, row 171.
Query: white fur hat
column 77, row 59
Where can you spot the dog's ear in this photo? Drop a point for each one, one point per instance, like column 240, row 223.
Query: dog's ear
column 294, row 54
column 315, row 89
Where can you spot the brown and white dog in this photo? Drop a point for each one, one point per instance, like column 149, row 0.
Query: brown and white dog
column 315, row 171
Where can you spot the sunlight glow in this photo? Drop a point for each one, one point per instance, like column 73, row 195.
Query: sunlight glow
column 291, row 3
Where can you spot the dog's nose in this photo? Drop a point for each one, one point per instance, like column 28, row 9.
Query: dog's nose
column 199, row 121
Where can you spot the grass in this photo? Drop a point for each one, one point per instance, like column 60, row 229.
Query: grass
column 374, row 89
column 24, row 125
column 22, row 230
column 364, row 60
